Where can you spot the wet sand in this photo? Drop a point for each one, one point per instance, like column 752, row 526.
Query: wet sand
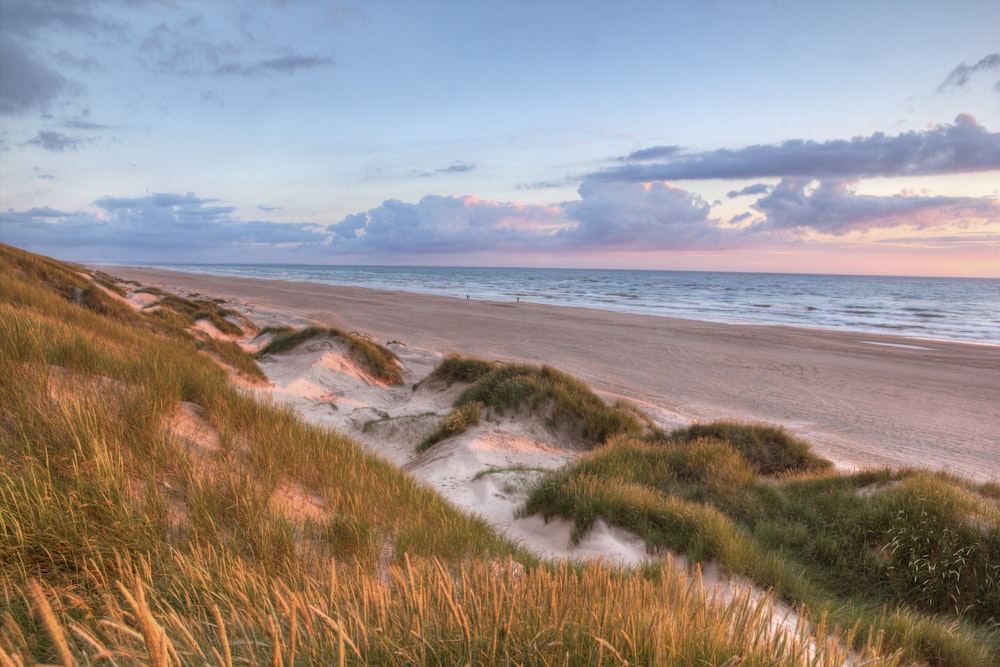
column 860, row 399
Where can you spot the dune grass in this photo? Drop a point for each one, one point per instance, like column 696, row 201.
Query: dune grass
column 769, row 450
column 457, row 421
column 197, row 307
column 910, row 554
column 381, row 362
column 566, row 404
column 420, row 612
column 125, row 540
column 455, row 368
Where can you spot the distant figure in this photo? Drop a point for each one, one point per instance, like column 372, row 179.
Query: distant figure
column 519, row 299
column 466, row 297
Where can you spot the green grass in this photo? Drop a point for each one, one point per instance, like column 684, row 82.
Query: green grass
column 564, row 402
column 910, row 554
column 499, row 470
column 196, row 307
column 233, row 355
column 381, row 362
column 770, row 450
column 457, row 421
column 455, row 368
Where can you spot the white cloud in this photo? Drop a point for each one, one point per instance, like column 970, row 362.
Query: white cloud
column 443, row 224
column 834, row 207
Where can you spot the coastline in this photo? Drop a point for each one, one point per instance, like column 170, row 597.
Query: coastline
column 860, row 399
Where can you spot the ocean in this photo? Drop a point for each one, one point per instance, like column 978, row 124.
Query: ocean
column 950, row 309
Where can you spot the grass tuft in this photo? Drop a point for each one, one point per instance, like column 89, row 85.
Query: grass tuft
column 457, row 421
column 770, row 450
column 565, row 403
column 380, row 361
column 455, row 368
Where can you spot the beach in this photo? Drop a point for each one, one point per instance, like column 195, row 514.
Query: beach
column 861, row 400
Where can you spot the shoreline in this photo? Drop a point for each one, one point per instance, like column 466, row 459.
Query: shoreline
column 740, row 314
column 861, row 399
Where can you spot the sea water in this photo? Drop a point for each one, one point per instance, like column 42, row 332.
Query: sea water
column 952, row 309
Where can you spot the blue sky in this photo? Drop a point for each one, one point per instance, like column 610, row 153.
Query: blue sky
column 847, row 137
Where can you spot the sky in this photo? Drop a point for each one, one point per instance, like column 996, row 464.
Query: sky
column 820, row 137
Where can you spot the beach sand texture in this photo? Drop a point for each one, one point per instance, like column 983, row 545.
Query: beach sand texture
column 860, row 399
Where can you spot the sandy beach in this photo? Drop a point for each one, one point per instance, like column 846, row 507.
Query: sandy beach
column 860, row 399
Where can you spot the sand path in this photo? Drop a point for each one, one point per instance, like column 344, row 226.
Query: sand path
column 861, row 399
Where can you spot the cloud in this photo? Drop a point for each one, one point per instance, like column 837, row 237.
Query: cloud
column 25, row 83
column 755, row 189
column 453, row 168
column 964, row 146
column 654, row 153
column 457, row 168
column 158, row 226
column 82, row 124
column 169, row 210
column 834, row 207
column 57, row 142
column 626, row 216
column 284, row 65
column 961, row 74
column 25, row 18
column 608, row 216
column 190, row 49
column 442, row 224
column 547, row 185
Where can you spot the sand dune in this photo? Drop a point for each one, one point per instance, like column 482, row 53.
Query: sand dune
column 322, row 382
column 860, row 399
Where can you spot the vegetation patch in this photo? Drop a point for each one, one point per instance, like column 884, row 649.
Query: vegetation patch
column 499, row 470
column 457, row 421
column 915, row 545
column 455, row 368
column 565, row 402
column 385, row 418
column 769, row 450
column 109, row 282
column 381, row 362
column 203, row 309
column 233, row 355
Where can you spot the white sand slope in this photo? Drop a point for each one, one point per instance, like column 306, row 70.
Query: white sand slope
column 485, row 470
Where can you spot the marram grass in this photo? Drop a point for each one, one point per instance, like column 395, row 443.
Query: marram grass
column 416, row 613
column 126, row 540
column 911, row 556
